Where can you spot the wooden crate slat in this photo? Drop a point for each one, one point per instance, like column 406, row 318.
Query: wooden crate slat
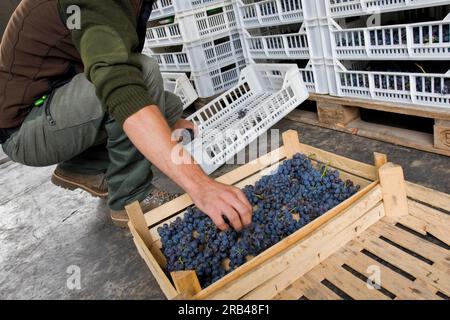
column 347, row 282
column 358, row 168
column 426, row 249
column 412, row 223
column 169, row 209
column 437, row 223
column 402, row 287
column 405, row 262
column 432, row 197
column 322, row 243
column 164, row 283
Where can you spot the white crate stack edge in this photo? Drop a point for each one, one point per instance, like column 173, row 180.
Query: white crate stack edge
column 208, row 34
column 264, row 95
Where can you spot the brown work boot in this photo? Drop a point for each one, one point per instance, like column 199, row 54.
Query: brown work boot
column 95, row 184
column 155, row 199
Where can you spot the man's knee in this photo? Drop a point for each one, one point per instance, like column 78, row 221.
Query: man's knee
column 151, row 70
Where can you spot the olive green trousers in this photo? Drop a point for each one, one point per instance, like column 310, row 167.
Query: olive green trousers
column 72, row 130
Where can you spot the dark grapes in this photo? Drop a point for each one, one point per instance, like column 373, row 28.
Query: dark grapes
column 293, row 196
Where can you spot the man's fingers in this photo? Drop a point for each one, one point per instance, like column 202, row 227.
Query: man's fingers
column 233, row 217
column 218, row 220
column 242, row 209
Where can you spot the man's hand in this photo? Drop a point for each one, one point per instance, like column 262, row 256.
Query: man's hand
column 218, row 201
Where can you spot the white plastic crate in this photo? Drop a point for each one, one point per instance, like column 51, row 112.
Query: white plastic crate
column 418, row 41
column 283, row 46
column 161, row 9
column 269, row 12
column 165, row 8
column 164, row 35
column 264, row 95
column 194, row 25
column 217, row 80
column 403, row 87
column 348, row 8
column 314, row 76
column 179, row 84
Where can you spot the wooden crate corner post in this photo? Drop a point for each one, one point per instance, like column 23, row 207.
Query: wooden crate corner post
column 137, row 219
column 291, row 143
column 186, row 283
column 393, row 188
column 380, row 159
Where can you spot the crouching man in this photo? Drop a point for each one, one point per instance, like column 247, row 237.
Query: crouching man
column 76, row 91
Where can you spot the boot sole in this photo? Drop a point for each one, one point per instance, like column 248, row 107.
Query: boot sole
column 121, row 223
column 71, row 185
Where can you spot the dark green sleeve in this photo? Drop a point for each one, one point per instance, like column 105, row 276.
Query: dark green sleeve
column 106, row 41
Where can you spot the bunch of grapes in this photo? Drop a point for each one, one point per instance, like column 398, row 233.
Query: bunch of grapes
column 296, row 194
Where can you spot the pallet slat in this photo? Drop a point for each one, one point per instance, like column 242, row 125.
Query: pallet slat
column 437, row 223
column 392, row 281
column 432, row 197
column 405, row 262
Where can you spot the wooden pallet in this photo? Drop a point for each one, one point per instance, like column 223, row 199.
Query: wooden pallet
column 343, row 114
column 276, row 272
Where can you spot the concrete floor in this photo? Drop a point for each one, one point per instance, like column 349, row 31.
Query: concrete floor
column 45, row 230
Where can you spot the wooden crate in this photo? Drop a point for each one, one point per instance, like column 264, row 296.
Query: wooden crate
column 275, row 273
column 343, row 114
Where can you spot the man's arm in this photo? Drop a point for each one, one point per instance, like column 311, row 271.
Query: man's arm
column 106, row 41
column 213, row 198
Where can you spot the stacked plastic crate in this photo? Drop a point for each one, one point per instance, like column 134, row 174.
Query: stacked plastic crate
column 199, row 37
column 285, row 31
column 396, row 51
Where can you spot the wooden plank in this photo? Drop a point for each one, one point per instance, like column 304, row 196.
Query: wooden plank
column 411, row 222
column 404, row 261
column 439, row 255
column 164, row 283
column 400, row 286
column 347, row 282
column 355, row 167
column 291, row 143
column 314, row 249
column 336, row 114
column 432, row 197
column 369, row 196
column 394, row 193
column 437, row 223
column 186, row 283
column 399, row 136
column 169, row 209
column 407, row 109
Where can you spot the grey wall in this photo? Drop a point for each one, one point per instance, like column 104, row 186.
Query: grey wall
column 6, row 9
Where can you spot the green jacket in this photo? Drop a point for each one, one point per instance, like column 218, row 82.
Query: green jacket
column 106, row 42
